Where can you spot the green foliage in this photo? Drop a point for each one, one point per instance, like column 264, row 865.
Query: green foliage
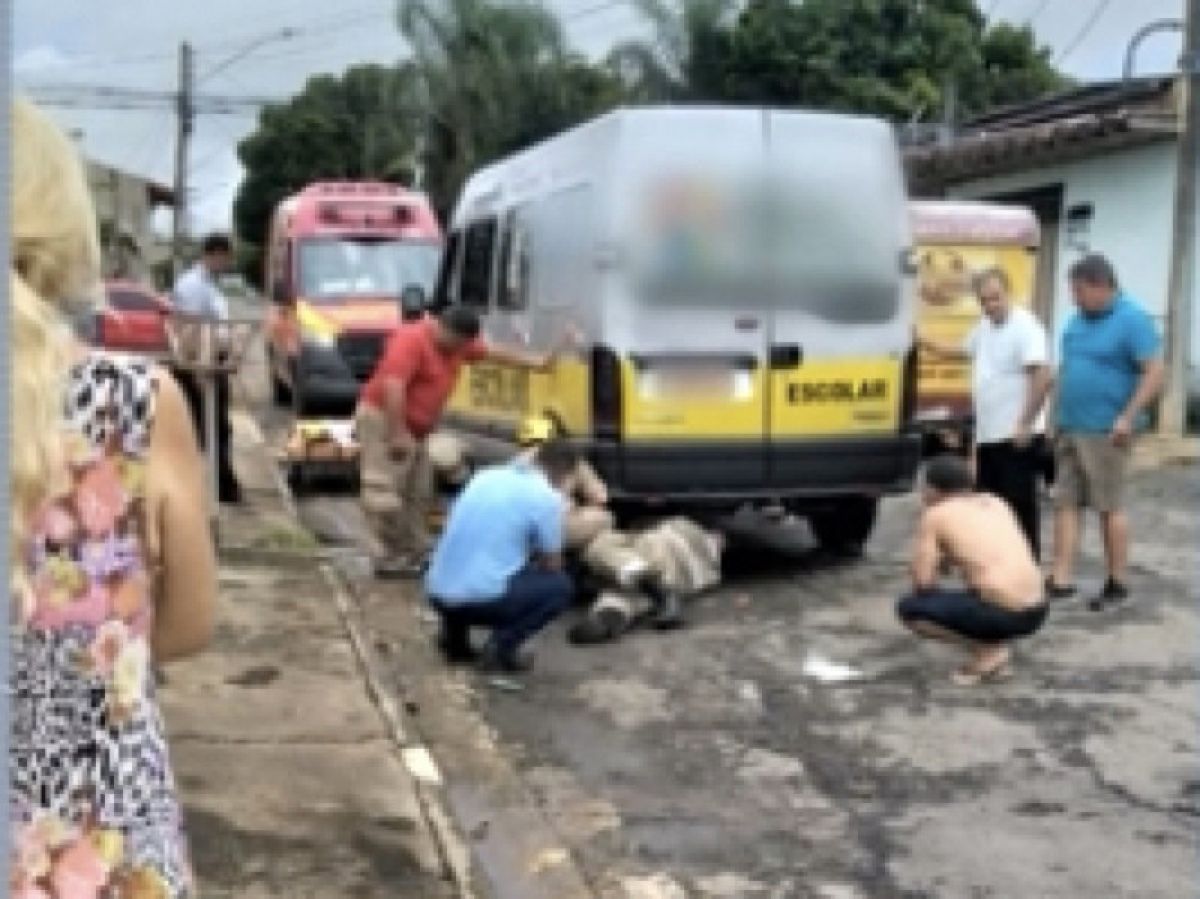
column 496, row 77
column 487, row 78
column 363, row 124
column 894, row 58
column 686, row 57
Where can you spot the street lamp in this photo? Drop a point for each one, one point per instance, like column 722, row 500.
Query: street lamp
column 283, row 34
column 186, row 112
column 1156, row 27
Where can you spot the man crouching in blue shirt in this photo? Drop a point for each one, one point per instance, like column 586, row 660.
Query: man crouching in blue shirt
column 498, row 564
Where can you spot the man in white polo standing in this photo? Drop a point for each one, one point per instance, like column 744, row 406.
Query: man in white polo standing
column 1010, row 378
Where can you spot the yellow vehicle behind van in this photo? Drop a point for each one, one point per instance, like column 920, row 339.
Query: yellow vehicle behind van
column 955, row 241
column 743, row 281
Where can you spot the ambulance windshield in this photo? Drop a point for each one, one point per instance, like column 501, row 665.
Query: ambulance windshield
column 333, row 268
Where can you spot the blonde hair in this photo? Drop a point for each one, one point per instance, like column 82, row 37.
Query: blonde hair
column 55, row 263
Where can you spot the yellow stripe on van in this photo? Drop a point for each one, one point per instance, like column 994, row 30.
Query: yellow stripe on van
column 836, row 397
column 487, row 393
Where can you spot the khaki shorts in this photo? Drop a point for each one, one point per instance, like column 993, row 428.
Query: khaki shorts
column 1091, row 471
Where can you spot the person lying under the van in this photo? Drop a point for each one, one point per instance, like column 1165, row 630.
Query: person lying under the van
column 398, row 408
column 499, row 561
column 670, row 560
column 978, row 535
column 601, row 550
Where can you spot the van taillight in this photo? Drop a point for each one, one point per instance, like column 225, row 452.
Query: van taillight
column 606, row 393
column 908, row 395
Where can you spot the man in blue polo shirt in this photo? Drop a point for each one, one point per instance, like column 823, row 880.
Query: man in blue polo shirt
column 1111, row 370
column 498, row 563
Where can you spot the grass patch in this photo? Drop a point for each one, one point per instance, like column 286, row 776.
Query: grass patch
column 285, row 537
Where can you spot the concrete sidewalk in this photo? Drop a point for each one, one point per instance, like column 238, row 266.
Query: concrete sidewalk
column 293, row 777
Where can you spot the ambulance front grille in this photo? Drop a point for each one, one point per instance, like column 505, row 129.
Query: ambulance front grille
column 361, row 352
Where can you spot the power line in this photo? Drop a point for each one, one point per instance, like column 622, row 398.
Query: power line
column 233, row 39
column 1037, row 13
column 592, row 10
column 81, row 96
column 1097, row 12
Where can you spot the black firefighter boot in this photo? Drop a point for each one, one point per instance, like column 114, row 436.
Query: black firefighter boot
column 666, row 612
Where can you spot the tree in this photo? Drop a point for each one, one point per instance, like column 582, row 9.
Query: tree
column 363, row 124
column 894, row 58
column 1016, row 68
column 495, row 78
column 684, row 60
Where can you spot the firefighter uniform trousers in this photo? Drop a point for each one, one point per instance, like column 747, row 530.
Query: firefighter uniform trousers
column 396, row 494
column 682, row 556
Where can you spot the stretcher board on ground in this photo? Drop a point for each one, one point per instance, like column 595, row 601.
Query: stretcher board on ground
column 322, row 440
column 317, row 449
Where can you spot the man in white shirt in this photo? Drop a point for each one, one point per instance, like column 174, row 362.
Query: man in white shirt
column 196, row 293
column 1010, row 379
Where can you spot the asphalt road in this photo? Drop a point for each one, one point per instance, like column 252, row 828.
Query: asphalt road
column 793, row 741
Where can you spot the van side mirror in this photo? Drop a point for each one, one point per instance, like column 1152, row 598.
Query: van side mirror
column 413, row 302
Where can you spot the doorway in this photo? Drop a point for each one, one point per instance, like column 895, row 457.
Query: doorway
column 1047, row 204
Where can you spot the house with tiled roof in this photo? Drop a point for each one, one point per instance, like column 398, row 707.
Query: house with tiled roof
column 1096, row 163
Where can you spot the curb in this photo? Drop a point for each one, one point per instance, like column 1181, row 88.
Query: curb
column 255, row 555
column 487, row 810
column 526, row 859
column 417, row 759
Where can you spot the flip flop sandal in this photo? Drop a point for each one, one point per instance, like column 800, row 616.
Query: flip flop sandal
column 967, row 677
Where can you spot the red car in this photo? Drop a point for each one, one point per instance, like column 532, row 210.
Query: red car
column 133, row 319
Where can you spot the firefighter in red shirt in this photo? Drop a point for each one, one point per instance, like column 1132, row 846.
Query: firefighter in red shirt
column 399, row 407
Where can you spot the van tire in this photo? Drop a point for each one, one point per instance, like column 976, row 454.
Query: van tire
column 845, row 528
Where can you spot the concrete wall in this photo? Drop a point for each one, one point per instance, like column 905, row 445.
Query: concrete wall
column 123, row 208
column 1132, row 197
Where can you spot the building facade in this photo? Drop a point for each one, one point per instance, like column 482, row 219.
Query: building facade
column 125, row 209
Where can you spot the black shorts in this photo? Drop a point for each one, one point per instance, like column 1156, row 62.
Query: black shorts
column 963, row 612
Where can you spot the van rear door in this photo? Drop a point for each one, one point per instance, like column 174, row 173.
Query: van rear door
column 689, row 328
column 836, row 238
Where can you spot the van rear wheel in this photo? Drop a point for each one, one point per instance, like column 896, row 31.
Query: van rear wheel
column 844, row 528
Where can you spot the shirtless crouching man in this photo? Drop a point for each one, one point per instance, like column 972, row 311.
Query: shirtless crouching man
column 978, row 535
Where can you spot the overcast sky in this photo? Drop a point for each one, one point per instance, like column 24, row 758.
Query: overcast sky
column 133, row 43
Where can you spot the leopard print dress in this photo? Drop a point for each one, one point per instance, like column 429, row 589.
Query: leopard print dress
column 93, row 809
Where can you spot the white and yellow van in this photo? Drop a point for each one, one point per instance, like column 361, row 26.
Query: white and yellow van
column 956, row 240
column 743, row 281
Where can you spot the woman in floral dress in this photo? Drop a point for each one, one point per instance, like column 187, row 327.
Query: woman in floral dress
column 112, row 563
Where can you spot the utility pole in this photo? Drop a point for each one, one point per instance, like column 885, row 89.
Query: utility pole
column 1183, row 284
column 185, row 120
column 949, row 110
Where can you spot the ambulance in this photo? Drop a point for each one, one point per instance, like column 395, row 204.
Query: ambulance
column 956, row 240
column 344, row 262
column 743, row 282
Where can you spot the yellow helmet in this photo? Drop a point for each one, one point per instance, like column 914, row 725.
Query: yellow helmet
column 534, row 430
